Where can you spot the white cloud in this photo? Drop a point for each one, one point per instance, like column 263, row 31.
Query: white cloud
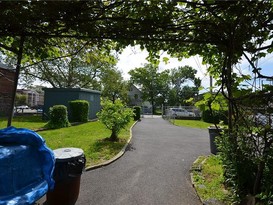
column 133, row 57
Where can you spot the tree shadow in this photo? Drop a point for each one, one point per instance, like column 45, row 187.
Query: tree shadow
column 130, row 147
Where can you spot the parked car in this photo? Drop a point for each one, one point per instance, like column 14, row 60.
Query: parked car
column 180, row 112
column 263, row 119
column 22, row 107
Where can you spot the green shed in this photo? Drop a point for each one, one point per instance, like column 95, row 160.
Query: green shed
column 61, row 96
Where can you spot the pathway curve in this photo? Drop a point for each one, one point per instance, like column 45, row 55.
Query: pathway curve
column 153, row 171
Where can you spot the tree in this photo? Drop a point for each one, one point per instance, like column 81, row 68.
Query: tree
column 153, row 83
column 79, row 65
column 166, row 87
column 222, row 32
column 115, row 117
column 113, row 85
column 181, row 77
column 182, row 28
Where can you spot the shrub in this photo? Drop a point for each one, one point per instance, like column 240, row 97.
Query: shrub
column 137, row 113
column 58, row 117
column 215, row 116
column 208, row 116
column 79, row 110
column 248, row 162
column 115, row 117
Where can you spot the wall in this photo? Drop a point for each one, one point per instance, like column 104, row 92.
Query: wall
column 135, row 96
column 62, row 96
column 93, row 97
column 7, row 76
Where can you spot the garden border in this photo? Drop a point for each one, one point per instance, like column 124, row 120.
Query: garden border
column 123, row 150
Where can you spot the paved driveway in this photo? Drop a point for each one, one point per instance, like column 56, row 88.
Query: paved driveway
column 154, row 170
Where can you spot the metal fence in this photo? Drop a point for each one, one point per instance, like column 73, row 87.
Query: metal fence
column 171, row 112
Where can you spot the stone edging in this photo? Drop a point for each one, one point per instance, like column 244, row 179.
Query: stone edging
column 115, row 157
column 192, row 180
column 198, row 168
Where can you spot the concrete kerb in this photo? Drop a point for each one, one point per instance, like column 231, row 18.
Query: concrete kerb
column 115, row 157
column 192, row 180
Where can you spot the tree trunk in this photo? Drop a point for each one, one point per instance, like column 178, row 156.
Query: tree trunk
column 114, row 135
column 18, row 67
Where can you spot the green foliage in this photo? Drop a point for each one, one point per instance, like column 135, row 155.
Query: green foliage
column 113, row 85
column 79, row 110
column 214, row 108
column 137, row 113
column 248, row 162
column 208, row 116
column 209, row 180
column 166, row 87
column 83, row 65
column 219, row 31
column 180, row 79
column 154, row 84
column 58, row 117
column 115, row 117
column 214, row 117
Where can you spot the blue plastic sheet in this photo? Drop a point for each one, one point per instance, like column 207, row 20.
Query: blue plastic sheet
column 26, row 166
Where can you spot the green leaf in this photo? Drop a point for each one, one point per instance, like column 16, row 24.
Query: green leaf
column 166, row 60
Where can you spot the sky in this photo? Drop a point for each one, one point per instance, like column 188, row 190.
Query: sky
column 133, row 57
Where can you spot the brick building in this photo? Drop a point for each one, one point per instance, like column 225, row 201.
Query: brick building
column 7, row 75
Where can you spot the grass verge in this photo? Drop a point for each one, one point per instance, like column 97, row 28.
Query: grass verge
column 192, row 123
column 207, row 176
column 30, row 122
column 88, row 136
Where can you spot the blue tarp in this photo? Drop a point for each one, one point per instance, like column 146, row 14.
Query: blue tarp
column 26, row 166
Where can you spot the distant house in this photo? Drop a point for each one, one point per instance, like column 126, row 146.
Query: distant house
column 135, row 96
column 135, row 99
column 7, row 76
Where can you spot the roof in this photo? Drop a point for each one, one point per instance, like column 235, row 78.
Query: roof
column 133, row 86
column 73, row 90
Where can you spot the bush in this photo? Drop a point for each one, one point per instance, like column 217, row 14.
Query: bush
column 79, row 110
column 115, row 117
column 214, row 117
column 207, row 116
column 58, row 117
column 137, row 113
column 248, row 162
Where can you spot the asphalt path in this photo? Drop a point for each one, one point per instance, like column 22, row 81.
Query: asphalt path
column 153, row 171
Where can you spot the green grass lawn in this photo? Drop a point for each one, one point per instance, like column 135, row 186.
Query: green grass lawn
column 209, row 180
column 192, row 123
column 88, row 136
column 30, row 122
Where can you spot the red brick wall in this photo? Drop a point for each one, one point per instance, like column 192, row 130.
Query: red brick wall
column 6, row 88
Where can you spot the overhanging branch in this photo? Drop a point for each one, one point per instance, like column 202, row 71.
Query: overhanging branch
column 9, row 48
column 256, row 70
